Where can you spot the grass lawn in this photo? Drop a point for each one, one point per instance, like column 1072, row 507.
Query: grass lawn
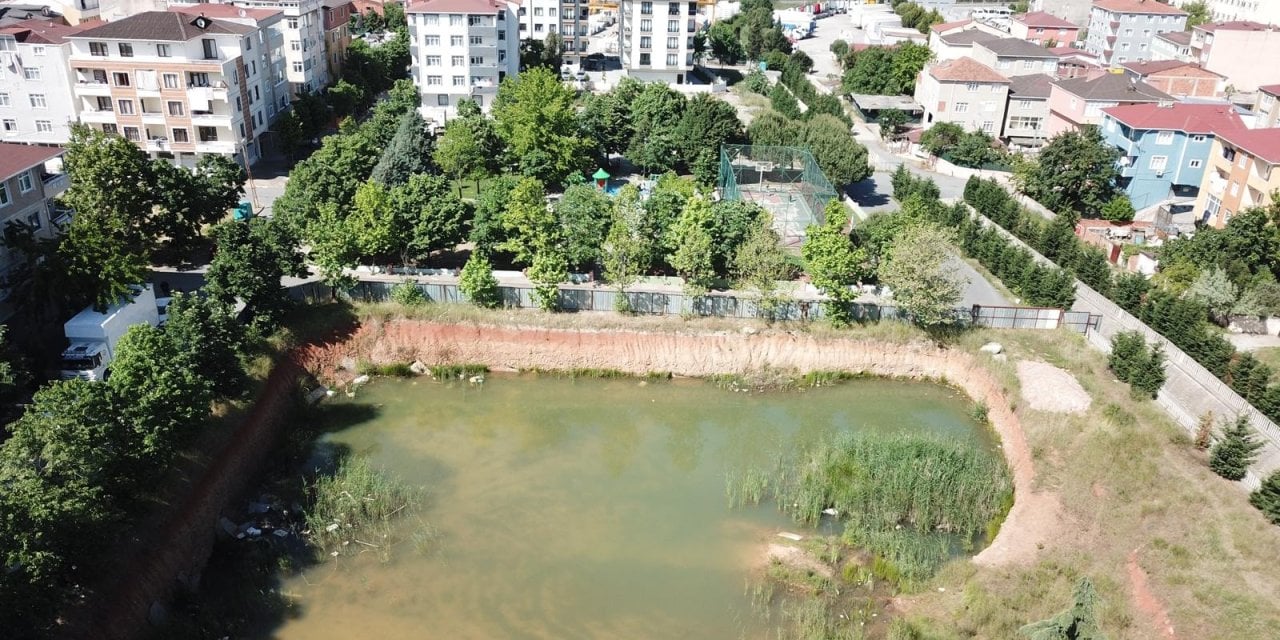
column 1269, row 356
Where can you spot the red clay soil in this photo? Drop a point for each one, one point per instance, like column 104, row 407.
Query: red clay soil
column 1146, row 601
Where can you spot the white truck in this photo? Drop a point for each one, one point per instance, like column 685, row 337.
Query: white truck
column 94, row 334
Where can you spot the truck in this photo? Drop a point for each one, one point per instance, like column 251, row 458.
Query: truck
column 93, row 335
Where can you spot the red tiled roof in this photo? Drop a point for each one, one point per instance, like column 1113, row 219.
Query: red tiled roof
column 1272, row 89
column 947, row 26
column 16, row 158
column 1147, row 67
column 965, row 69
column 1182, row 116
column 215, row 10
column 1044, row 19
column 1234, row 25
column 1260, row 143
column 40, row 31
column 1138, row 6
column 452, row 6
column 1176, row 37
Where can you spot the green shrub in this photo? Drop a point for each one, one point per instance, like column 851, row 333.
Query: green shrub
column 757, row 82
column 407, row 293
column 477, row 282
column 1267, row 498
column 457, row 371
column 1238, row 448
column 1133, row 362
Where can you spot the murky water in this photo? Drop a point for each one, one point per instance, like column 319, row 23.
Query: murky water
column 583, row 509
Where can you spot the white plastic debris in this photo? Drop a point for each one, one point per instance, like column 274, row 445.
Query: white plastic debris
column 992, row 348
column 831, row 511
column 331, row 528
column 790, row 536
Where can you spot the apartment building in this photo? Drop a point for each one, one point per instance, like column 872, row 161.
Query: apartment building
column 30, row 178
column 78, row 12
column 1123, row 30
column 1243, row 172
column 461, row 49
column 1174, row 45
column 1242, row 52
column 1181, row 79
column 337, row 33
column 538, row 19
column 276, row 92
column 1028, row 111
column 965, row 92
column 1225, row 10
column 656, row 38
column 1078, row 102
column 1266, row 107
column 1013, row 57
column 575, row 29
column 1165, row 146
column 178, row 86
column 1076, row 63
column 1039, row 27
column 952, row 40
column 36, row 102
column 1073, row 11
column 306, row 54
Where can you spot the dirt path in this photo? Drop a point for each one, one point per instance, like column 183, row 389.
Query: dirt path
column 1030, row 523
column 1146, row 601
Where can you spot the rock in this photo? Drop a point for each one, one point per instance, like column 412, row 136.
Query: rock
column 831, row 512
column 253, row 531
column 280, row 533
column 317, row 394
column 348, row 363
column 477, row 380
column 795, row 537
column 332, row 527
column 748, row 331
column 419, row 368
column 992, row 348
column 359, row 380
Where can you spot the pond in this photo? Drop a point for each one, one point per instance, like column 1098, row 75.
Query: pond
column 584, row 508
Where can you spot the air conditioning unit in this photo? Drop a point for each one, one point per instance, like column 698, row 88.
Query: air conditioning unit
column 1160, row 174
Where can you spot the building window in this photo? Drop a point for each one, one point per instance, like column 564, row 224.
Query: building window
column 31, row 73
column 1025, row 104
column 962, row 107
column 455, row 41
column 4, row 100
column 1212, row 206
column 110, row 129
column 297, row 67
column 4, row 194
column 433, row 41
column 1024, row 123
column 434, row 81
column 458, row 61
column 972, row 86
column 455, row 20
column 131, row 134
column 1004, row 64
column 171, row 81
column 646, row 42
column 180, row 135
column 478, row 21
column 1164, row 137
column 1195, row 163
column 98, row 49
column 10, row 127
column 645, row 59
column 162, row 51
column 33, row 220
column 121, row 79
column 1235, row 188
column 989, row 126
column 476, row 40
column 646, row 8
column 126, row 107
column 8, row 44
column 207, row 134
column 126, row 50
column 292, row 23
column 477, row 59
column 673, row 26
column 38, row 101
column 433, row 61
column 1028, row 64
column 1158, row 163
column 104, row 104
column 431, row 20
column 673, row 59
column 210, row 48
column 24, row 182
column 295, row 46
column 176, row 108
column 442, row 100
column 459, row 81
column 1199, row 138
column 646, row 25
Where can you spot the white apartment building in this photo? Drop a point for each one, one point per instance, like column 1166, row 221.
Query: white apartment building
column 538, row 19
column 178, row 86
column 1264, row 11
column 81, row 11
column 1123, row 30
column 461, row 49
column 36, row 100
column 306, row 64
column 656, row 38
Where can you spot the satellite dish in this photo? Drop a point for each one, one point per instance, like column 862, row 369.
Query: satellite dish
column 242, row 13
column 202, row 23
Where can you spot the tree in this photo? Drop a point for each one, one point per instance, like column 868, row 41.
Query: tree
column 1128, row 353
column 842, row 159
column 655, row 114
column 214, row 340
column 606, row 117
column 344, row 98
column 477, row 282
column 186, row 200
column 800, row 61
column 547, row 271
column 371, row 224
column 331, row 175
column 974, row 149
column 1092, row 268
column 410, row 152
column 1075, row 171
column 252, row 257
column 1197, row 14
column 833, row 263
column 781, row 100
column 161, row 388
column 584, row 213
column 909, row 58
column 1213, row 289
column 760, row 263
column 434, row 216
column 706, row 124
column 626, row 249
column 535, row 116
column 532, row 227
column 919, row 271
column 839, row 49
column 487, row 232
column 941, row 138
column 891, row 122
column 770, row 128
column 1130, row 290
column 467, row 149
column 1080, row 622
column 290, row 134
column 1118, row 209
column 553, row 52
column 870, row 71
column 1267, row 498
column 1231, row 456
column 725, row 42
column 694, row 254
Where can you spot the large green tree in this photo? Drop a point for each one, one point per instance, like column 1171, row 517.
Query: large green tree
column 469, row 149
column 706, row 124
column 693, row 256
column 251, row 259
column 833, row 263
column 535, row 116
column 584, row 213
column 532, row 228
column 842, row 159
column 760, row 263
column 626, row 250
column 655, row 114
column 606, row 117
column 410, row 152
column 434, row 217
column 919, row 270
column 1075, row 172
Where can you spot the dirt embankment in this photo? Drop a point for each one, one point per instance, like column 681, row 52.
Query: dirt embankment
column 1029, row 523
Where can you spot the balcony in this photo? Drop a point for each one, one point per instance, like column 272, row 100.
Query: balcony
column 157, row 144
column 224, row 147
column 94, row 116
column 153, row 117
column 1217, row 185
column 54, row 183
column 90, row 88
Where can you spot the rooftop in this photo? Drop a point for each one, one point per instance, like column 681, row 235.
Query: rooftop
column 1044, row 19
column 16, row 158
column 1138, row 6
column 966, row 37
column 1270, row 89
column 1234, row 25
column 452, row 6
column 965, row 69
column 1260, row 143
column 1148, row 67
column 948, row 26
column 39, row 31
column 164, row 26
column 1016, row 48
column 224, row 11
column 1115, row 87
column 1036, row 85
column 12, row 12
column 1188, row 118
column 1176, row 37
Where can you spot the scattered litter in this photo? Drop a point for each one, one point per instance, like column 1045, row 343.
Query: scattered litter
column 942, row 589
column 419, row 368
column 360, row 379
column 280, row 533
column 795, row 537
column 331, row 528
column 253, row 531
column 477, row 380
column 333, row 553
column 317, row 394
column 992, row 348
column 831, row 511
column 330, row 393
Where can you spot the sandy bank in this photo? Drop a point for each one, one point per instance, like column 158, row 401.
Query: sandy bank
column 1032, row 518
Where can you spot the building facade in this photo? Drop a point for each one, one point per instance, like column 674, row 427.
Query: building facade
column 1123, row 30
column 36, row 100
column 1078, row 102
column 656, row 38
column 337, row 34
column 1164, row 147
column 30, row 179
column 1234, row 50
column 1243, row 172
column 1073, row 11
column 1173, row 45
column 461, row 49
column 1225, row 10
column 1013, row 57
column 1042, row 28
column 965, row 92
column 953, row 40
column 1027, row 114
column 178, row 86
column 1180, row 79
column 1266, row 107
column 306, row 56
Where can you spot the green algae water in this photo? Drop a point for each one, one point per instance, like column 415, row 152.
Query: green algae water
column 583, row 508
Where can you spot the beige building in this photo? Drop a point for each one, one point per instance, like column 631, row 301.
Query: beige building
column 1245, row 53
column 1013, row 57
column 965, row 92
column 1027, row 115
column 1266, row 107
column 1243, row 172
column 30, row 178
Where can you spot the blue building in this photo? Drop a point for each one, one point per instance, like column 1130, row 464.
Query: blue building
column 1164, row 146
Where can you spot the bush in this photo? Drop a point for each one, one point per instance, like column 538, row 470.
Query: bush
column 408, row 294
column 1134, row 363
column 477, row 282
column 1267, row 498
column 1231, row 456
column 756, row 82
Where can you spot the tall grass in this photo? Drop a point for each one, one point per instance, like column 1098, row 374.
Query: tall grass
column 353, row 509
column 457, row 371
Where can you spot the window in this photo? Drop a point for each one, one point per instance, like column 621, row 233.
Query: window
column 988, row 126
column 477, row 40
column 126, row 49
column 477, row 59
column 1124, row 46
column 433, row 41
column 1195, row 163
column 162, row 51
column 1025, row 104
column 294, row 45
column 104, row 104
column 1024, row 123
column 434, row 81
column 33, row 220
column 442, row 100
column 673, row 43
column 176, row 108
column 646, row 25
column 4, row 100
column 962, row 107
column 1128, row 32
column 1235, row 188
column 673, row 26
column 297, row 67
column 1199, row 137
column 10, row 126
column 972, row 86
column 673, row 8
column 8, row 44
column 673, row 59
column 455, row 20
column 1028, row 64
column 292, row 23
column 180, row 135
column 459, row 81
column 455, row 41
column 210, row 48
column 988, row 107
column 131, row 134
column 645, row 59
column 646, row 8
column 537, row 11
column 207, row 134
column 646, row 42
column 1164, row 137
column 458, row 61
column 24, row 181
column 1004, row 64
column 31, row 73
column 478, row 21
column 197, row 79
column 38, row 101
column 433, row 61
column 171, row 81
column 98, row 49
column 4, row 194
column 1158, row 163
column 110, row 129
column 126, row 107
column 120, row 79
